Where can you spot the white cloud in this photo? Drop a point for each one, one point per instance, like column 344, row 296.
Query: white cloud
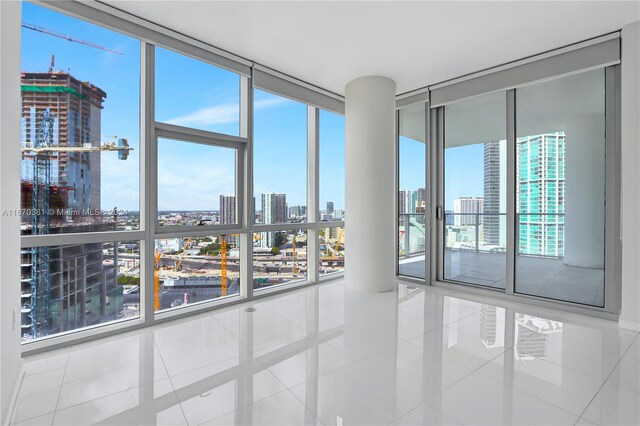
column 221, row 114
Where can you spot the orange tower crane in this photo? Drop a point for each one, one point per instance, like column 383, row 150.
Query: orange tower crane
column 223, row 267
column 156, row 281
column 186, row 245
column 294, row 269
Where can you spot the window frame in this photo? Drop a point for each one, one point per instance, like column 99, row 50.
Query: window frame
column 150, row 35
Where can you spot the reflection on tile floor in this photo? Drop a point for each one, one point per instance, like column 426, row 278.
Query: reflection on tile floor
column 326, row 355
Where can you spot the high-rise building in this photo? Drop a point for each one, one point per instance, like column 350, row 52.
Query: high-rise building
column 228, row 215
column 297, row 212
column 79, row 284
column 540, row 189
column 463, row 209
column 422, row 196
column 495, row 160
column 330, row 207
column 274, row 210
column 76, row 107
column 227, row 209
column 407, row 201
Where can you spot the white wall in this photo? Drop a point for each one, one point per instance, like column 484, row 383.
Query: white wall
column 630, row 152
column 10, row 360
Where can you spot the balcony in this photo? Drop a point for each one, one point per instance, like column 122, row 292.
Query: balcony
column 471, row 256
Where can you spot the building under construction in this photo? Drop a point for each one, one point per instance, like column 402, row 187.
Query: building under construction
column 64, row 287
column 77, row 108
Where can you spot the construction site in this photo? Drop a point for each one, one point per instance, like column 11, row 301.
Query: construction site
column 79, row 285
column 65, row 287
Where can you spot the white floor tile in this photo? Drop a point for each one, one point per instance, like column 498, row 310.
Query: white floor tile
column 328, row 355
column 140, row 405
column 38, row 394
column 105, row 376
column 627, row 374
column 356, row 395
column 614, row 405
column 210, row 398
column 556, row 385
column 424, row 415
column 479, row 400
column 280, row 409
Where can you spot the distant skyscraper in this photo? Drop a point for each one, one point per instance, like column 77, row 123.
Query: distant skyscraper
column 422, row 196
column 338, row 214
column 274, row 210
column 402, row 201
column 294, row 211
column 227, row 209
column 330, row 207
column 407, row 201
column 541, row 190
column 463, row 206
column 495, row 232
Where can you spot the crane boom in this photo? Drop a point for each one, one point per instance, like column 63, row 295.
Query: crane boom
column 67, row 37
column 124, row 148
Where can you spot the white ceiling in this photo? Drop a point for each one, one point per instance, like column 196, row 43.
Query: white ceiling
column 414, row 43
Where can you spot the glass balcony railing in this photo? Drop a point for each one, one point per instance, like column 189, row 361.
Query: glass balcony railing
column 478, row 232
column 412, row 235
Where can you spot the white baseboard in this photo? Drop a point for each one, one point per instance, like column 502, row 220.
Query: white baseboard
column 629, row 325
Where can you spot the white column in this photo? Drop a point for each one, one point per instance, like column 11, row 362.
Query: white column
column 630, row 153
column 370, row 176
column 584, row 189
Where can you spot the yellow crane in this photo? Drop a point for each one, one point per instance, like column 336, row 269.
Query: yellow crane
column 223, row 266
column 156, row 281
column 187, row 244
column 339, row 240
column 294, row 269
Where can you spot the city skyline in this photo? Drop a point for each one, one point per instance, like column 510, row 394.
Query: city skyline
column 213, row 108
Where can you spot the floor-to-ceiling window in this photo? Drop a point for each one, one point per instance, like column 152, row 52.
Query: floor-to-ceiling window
column 158, row 180
column 80, row 175
column 413, row 230
column 475, row 192
column 560, row 189
column 529, row 176
column 331, row 175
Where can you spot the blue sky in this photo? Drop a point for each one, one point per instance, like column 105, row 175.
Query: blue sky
column 188, row 93
column 463, row 169
column 195, row 94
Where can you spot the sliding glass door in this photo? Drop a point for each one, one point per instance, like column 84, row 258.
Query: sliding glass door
column 560, row 189
column 529, row 187
column 474, row 191
column 413, row 194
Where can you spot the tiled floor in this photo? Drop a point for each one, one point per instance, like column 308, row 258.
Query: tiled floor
column 326, row 355
column 544, row 277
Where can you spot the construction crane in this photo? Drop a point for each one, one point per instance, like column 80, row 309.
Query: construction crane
column 156, row 281
column 41, row 150
column 294, row 269
column 67, row 37
column 40, row 303
column 122, row 147
column 223, row 267
column 187, row 244
column 339, row 240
